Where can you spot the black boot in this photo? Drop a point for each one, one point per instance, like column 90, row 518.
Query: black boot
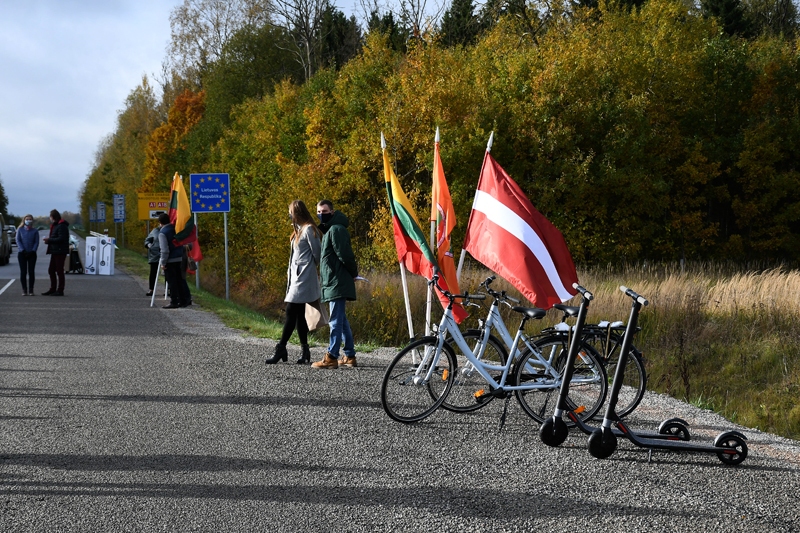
column 280, row 355
column 306, row 357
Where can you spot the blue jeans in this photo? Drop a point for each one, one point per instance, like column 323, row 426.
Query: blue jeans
column 340, row 330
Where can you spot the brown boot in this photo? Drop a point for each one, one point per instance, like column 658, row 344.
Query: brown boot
column 327, row 362
column 348, row 361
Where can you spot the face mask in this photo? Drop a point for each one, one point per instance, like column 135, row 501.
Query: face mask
column 325, row 217
column 28, row 222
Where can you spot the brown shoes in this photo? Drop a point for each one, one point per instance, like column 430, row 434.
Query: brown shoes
column 347, row 361
column 327, row 362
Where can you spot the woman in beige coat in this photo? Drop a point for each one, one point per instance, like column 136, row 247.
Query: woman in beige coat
column 303, row 281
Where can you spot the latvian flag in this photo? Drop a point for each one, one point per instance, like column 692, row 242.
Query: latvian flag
column 508, row 235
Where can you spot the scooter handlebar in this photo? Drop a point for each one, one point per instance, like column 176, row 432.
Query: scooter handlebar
column 585, row 293
column 641, row 299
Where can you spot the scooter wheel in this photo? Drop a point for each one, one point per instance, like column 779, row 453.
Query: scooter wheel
column 602, row 443
column 675, row 429
column 553, row 432
column 733, row 448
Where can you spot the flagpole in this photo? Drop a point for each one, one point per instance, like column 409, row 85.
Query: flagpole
column 463, row 252
column 408, row 303
column 460, row 265
column 402, row 274
column 155, row 284
column 429, row 306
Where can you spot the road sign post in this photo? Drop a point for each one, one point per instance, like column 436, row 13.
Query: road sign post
column 210, row 193
column 119, row 214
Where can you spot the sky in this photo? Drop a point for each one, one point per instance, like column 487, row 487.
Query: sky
column 66, row 68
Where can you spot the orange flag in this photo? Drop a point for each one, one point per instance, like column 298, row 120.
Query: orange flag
column 443, row 214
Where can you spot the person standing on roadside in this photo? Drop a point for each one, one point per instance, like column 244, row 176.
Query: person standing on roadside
column 27, row 244
column 57, row 248
column 303, row 281
column 338, row 270
column 171, row 258
column 153, row 255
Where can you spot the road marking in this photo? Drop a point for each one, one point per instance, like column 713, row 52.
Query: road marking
column 7, row 286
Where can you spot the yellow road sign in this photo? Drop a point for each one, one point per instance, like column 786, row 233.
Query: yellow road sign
column 152, row 204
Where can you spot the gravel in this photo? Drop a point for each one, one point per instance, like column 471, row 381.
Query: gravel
column 115, row 416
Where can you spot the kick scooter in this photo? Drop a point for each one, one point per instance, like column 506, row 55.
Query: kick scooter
column 554, row 430
column 730, row 447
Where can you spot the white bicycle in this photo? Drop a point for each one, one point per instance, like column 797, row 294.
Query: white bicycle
column 420, row 377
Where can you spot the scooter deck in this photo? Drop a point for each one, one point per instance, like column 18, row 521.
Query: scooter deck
column 652, row 435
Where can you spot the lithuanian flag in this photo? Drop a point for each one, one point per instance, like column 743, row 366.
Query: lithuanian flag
column 412, row 248
column 180, row 214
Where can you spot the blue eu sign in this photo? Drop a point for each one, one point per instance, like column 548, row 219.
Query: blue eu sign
column 210, row 193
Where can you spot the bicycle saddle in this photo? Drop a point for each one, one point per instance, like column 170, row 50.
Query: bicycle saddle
column 530, row 312
column 567, row 309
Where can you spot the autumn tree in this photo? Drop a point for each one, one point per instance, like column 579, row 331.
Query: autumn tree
column 166, row 151
column 119, row 163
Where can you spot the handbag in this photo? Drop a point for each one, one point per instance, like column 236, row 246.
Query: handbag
column 316, row 315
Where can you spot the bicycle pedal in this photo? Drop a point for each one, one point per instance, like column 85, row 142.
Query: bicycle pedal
column 480, row 396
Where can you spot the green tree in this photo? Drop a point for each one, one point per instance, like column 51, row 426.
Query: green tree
column 341, row 37
column 460, row 25
column 730, row 14
column 776, row 18
column 385, row 24
column 3, row 201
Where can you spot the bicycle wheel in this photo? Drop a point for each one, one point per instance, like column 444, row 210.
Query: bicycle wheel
column 587, row 388
column 635, row 382
column 462, row 397
column 406, row 395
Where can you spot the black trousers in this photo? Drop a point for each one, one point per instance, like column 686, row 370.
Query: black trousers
column 295, row 318
column 56, row 271
column 178, row 289
column 153, row 273
column 27, row 267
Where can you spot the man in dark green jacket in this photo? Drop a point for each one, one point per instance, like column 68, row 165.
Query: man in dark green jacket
column 338, row 270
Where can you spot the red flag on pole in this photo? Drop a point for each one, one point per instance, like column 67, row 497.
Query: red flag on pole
column 508, row 235
column 444, row 216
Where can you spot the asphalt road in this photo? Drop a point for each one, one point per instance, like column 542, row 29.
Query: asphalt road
column 115, row 416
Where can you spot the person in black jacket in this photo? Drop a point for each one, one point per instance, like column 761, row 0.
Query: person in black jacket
column 57, row 248
column 171, row 258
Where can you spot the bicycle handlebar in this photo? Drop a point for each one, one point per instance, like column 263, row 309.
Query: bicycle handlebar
column 501, row 295
column 641, row 299
column 466, row 296
column 585, row 293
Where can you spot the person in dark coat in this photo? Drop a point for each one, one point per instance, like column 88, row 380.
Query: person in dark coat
column 303, row 281
column 57, row 248
column 153, row 255
column 171, row 258
column 338, row 270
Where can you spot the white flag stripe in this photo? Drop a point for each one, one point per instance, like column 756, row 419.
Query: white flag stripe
column 500, row 214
